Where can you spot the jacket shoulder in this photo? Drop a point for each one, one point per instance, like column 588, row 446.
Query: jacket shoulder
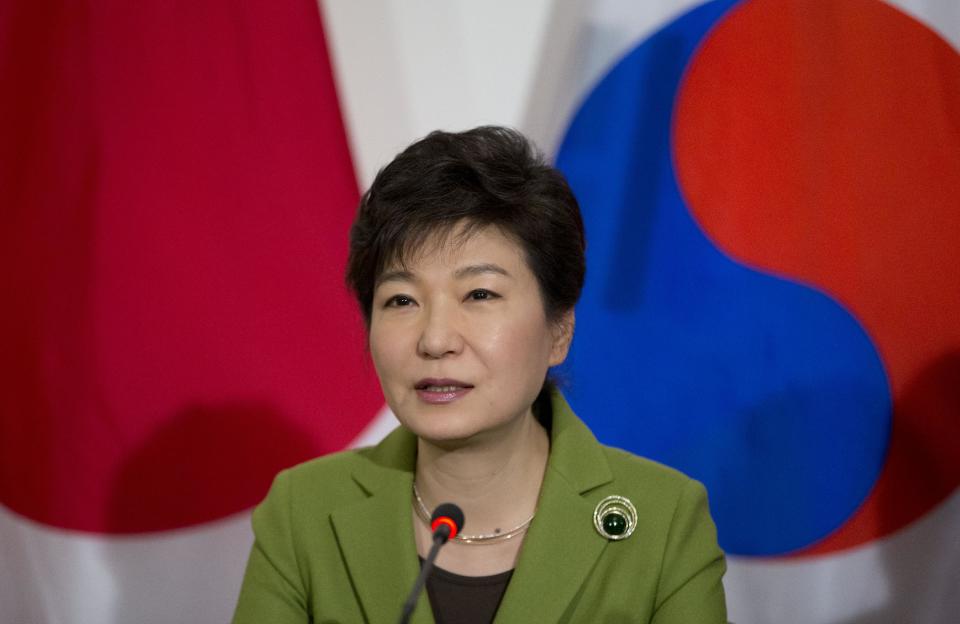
column 341, row 462
column 659, row 486
column 625, row 465
column 326, row 476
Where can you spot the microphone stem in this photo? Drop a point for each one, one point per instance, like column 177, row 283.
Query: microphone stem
column 411, row 602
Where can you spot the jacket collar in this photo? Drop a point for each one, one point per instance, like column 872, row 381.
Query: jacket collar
column 376, row 535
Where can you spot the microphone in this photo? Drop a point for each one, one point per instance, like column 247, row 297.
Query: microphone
column 446, row 521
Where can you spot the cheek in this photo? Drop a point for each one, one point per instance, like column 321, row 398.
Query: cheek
column 384, row 352
column 521, row 346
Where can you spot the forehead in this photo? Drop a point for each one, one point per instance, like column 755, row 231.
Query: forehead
column 461, row 246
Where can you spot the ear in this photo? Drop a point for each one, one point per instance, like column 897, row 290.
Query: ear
column 562, row 337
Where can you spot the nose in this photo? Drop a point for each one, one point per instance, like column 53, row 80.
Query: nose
column 440, row 335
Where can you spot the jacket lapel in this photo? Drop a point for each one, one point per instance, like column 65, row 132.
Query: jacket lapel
column 376, row 534
column 561, row 547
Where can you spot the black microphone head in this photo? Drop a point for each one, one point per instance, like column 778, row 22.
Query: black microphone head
column 448, row 519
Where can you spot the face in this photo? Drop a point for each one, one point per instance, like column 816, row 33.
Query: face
column 460, row 339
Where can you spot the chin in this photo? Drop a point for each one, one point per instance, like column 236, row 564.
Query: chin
column 444, row 428
column 446, row 433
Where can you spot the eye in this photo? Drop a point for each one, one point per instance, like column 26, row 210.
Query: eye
column 481, row 294
column 398, row 301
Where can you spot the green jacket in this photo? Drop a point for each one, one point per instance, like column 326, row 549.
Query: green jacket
column 334, row 541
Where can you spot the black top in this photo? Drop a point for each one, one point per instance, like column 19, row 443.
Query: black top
column 457, row 599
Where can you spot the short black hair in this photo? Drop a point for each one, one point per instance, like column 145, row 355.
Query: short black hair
column 487, row 176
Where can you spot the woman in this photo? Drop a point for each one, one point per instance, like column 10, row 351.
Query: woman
column 467, row 258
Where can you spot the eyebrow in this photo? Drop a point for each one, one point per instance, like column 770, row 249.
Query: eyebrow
column 480, row 269
column 402, row 275
column 399, row 275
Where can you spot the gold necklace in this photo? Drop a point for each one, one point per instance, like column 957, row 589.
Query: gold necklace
column 476, row 540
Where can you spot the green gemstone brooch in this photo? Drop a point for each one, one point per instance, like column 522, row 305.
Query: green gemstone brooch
column 615, row 518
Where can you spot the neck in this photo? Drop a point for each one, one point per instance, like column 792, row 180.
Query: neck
column 495, row 479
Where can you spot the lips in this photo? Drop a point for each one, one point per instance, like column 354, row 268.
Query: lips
column 441, row 390
column 433, row 383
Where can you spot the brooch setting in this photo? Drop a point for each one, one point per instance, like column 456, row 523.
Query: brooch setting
column 615, row 518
